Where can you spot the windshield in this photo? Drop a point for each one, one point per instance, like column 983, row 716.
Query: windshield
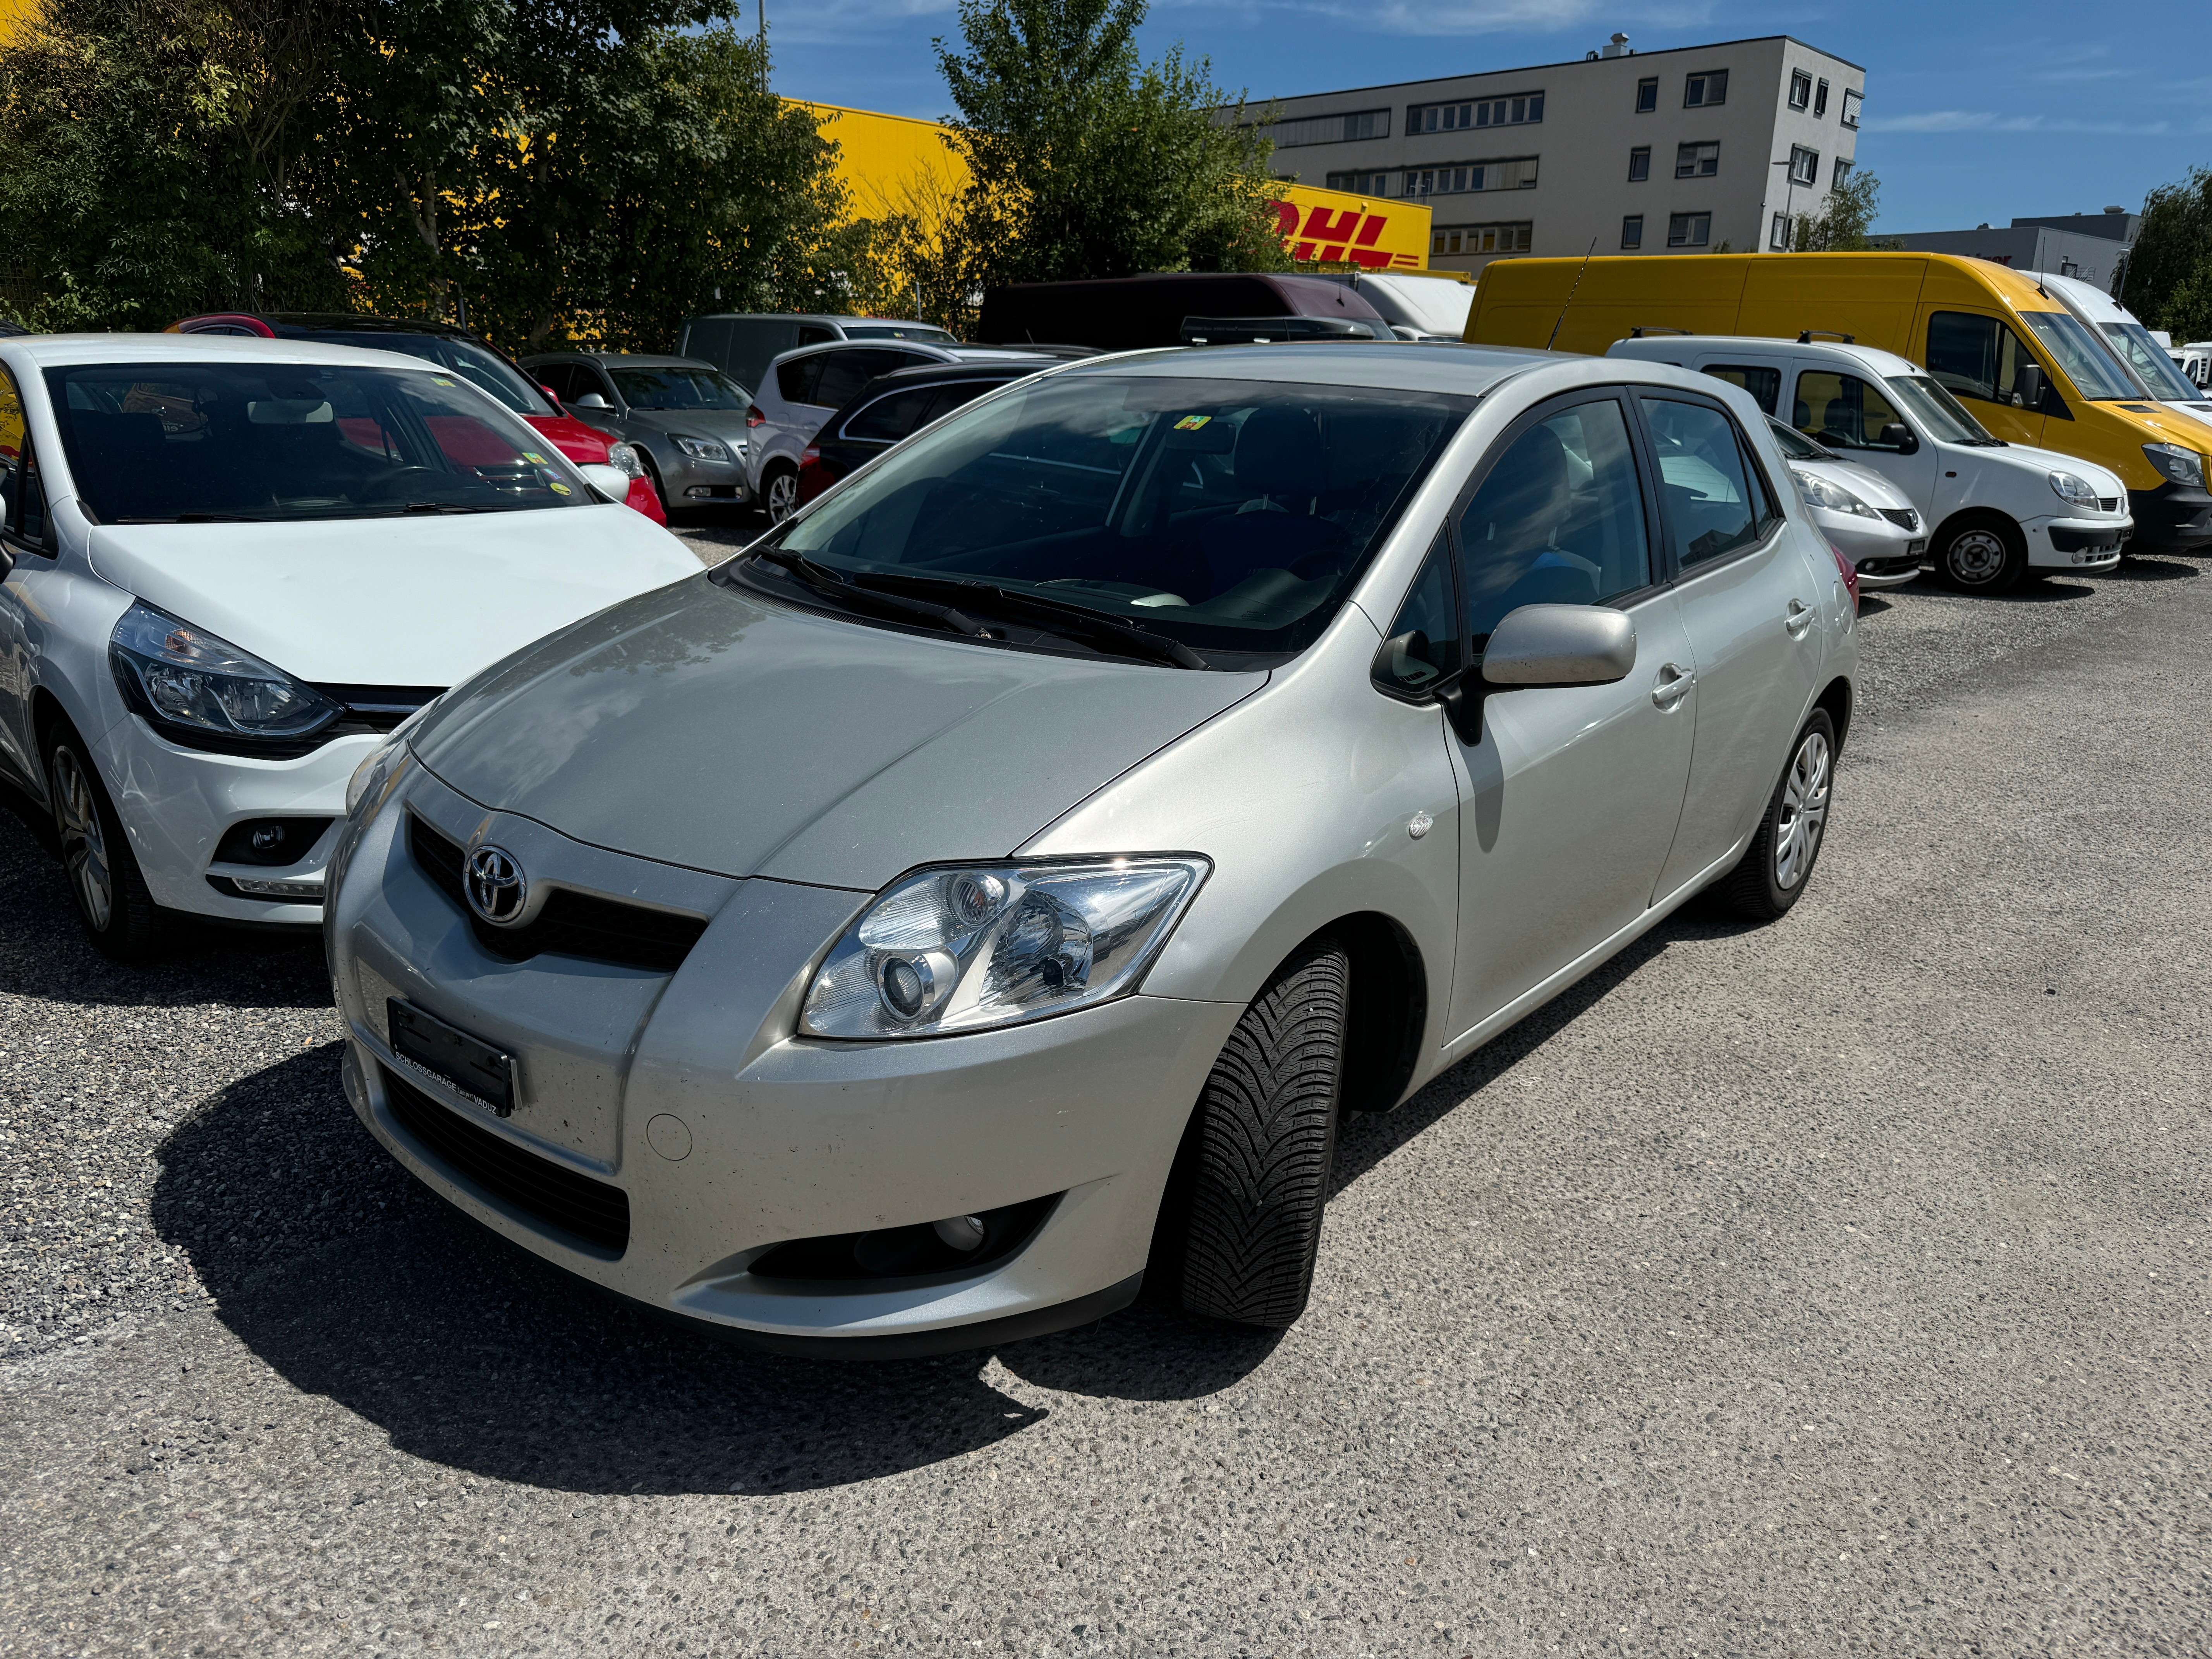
column 2148, row 358
column 1796, row 446
column 161, row 442
column 1942, row 417
column 922, row 331
column 487, row 371
column 1233, row 514
column 2086, row 363
column 678, row 388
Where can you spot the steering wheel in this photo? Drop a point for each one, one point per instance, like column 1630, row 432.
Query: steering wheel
column 399, row 481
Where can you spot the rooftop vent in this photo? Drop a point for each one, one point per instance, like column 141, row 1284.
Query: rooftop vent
column 1618, row 47
column 2116, row 210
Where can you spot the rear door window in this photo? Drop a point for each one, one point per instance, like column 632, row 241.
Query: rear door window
column 795, row 381
column 886, row 420
column 1705, row 490
column 844, row 373
column 1842, row 411
column 1765, row 385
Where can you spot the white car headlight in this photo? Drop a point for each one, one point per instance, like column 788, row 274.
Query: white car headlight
column 964, row 948
column 623, row 458
column 701, row 449
column 2075, row 491
column 1821, row 492
column 178, row 675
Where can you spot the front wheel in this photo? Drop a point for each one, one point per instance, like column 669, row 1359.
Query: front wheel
column 779, row 494
column 110, row 894
column 1244, row 1221
column 1779, row 861
column 1985, row 554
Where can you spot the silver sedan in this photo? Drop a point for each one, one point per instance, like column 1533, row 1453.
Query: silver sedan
column 688, row 419
column 982, row 897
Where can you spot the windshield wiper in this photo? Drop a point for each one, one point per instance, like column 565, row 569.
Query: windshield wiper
column 1077, row 621
column 196, row 518
column 436, row 507
column 827, row 582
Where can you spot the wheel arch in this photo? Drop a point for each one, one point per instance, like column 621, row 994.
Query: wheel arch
column 1836, row 698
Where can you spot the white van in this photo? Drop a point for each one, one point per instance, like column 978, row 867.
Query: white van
column 1418, row 304
column 1999, row 510
column 2196, row 361
column 2145, row 357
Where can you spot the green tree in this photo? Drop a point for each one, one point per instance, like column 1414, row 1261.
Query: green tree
column 1085, row 160
column 1839, row 226
column 2168, row 281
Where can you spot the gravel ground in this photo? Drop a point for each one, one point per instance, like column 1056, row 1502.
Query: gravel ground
column 1834, row 1287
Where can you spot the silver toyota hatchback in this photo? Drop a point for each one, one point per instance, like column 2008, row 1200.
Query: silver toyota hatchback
column 983, row 894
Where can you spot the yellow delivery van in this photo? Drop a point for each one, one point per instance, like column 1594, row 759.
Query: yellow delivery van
column 2029, row 370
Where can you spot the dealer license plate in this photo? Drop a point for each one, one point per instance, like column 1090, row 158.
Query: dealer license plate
column 470, row 1064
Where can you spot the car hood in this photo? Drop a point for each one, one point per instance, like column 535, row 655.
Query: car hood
column 707, row 726
column 414, row 601
column 1863, row 481
column 2039, row 463
column 584, row 445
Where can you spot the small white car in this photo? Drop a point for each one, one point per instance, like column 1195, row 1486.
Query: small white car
column 2000, row 511
column 1866, row 519
column 231, row 566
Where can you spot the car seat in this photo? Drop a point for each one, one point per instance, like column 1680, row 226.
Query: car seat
column 1280, row 463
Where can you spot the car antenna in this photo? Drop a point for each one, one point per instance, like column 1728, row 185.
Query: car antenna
column 1571, row 292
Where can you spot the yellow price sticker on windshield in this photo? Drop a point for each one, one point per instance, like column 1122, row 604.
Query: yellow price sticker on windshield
column 1192, row 422
column 556, row 487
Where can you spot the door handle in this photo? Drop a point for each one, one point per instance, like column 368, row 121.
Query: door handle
column 1799, row 620
column 1673, row 681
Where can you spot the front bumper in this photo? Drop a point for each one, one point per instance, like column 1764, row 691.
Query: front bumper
column 176, row 804
column 1884, row 555
column 2076, row 543
column 690, row 483
column 723, row 1135
column 2170, row 519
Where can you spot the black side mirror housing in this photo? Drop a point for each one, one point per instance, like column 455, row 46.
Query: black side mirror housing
column 1898, row 436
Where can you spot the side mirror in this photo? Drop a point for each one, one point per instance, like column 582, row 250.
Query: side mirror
column 611, row 482
column 1559, row 645
column 2027, row 386
column 551, row 395
column 1898, row 436
column 591, row 400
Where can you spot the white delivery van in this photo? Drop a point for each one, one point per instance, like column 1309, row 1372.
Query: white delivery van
column 1418, row 304
column 2140, row 352
column 2196, row 359
column 1999, row 511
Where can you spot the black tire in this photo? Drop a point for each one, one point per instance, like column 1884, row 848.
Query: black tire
column 1761, row 887
column 780, row 493
column 109, row 894
column 1980, row 553
column 1245, row 1216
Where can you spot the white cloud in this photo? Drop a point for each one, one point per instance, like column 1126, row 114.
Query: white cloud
column 1978, row 120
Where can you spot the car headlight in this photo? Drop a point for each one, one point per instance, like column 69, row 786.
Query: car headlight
column 2184, row 467
column 701, row 449
column 2074, row 491
column 179, row 675
column 623, row 458
column 961, row 949
column 1821, row 492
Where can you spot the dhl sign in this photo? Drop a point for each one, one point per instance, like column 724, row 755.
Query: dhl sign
column 1333, row 226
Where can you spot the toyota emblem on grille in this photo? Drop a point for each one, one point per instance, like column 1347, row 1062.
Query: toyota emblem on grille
column 496, row 885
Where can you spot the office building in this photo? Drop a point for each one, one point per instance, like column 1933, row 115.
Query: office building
column 2090, row 245
column 1666, row 152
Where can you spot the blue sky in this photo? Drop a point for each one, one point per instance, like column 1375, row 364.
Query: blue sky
column 1974, row 111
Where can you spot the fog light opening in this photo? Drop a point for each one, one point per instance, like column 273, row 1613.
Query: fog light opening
column 963, row 1232
column 957, row 1247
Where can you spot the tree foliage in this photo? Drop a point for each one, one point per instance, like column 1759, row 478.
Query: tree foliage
column 1841, row 224
column 2168, row 281
column 1085, row 160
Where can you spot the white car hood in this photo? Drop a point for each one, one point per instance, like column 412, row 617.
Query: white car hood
column 2040, row 464
column 1863, row 481
column 419, row 601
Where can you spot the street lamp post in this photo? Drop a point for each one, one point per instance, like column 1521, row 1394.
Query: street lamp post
column 1789, row 199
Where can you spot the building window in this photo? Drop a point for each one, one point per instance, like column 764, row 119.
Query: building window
column 1800, row 89
column 1514, row 172
column 1779, row 237
column 1480, row 238
column 1851, row 102
column 1647, row 95
column 1521, row 110
column 1361, row 183
column 1330, row 129
column 1821, row 100
column 1697, row 160
column 1701, row 90
column 1631, row 231
column 1804, row 165
column 1640, row 164
column 1689, row 229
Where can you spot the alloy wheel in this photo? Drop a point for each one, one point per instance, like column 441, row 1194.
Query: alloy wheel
column 84, row 844
column 782, row 496
column 1976, row 557
column 1804, row 811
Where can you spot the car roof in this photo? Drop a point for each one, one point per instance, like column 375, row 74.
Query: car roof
column 808, row 317
column 60, row 350
column 935, row 373
column 1406, row 365
column 624, row 359
column 2101, row 306
column 330, row 322
column 943, row 353
column 1872, row 358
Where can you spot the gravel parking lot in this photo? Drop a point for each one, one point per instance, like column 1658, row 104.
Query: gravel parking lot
column 1836, row 1287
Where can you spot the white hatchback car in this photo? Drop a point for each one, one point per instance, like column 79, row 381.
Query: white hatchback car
column 232, row 566
column 1998, row 511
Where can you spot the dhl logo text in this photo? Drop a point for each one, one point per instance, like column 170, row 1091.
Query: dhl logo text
column 1335, row 237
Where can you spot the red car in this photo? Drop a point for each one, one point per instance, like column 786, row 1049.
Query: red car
column 460, row 352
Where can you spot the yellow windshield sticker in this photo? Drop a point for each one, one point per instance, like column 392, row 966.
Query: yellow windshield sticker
column 557, row 487
column 533, row 457
column 1192, row 422
column 440, row 379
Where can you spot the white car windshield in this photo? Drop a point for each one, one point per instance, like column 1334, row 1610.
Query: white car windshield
column 182, row 441
column 1943, row 415
column 2148, row 358
column 1229, row 515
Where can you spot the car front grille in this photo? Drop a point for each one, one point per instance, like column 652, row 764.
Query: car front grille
column 593, row 1213
column 2108, row 503
column 1903, row 516
column 571, row 924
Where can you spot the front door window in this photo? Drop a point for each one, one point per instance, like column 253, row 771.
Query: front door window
column 1842, row 411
